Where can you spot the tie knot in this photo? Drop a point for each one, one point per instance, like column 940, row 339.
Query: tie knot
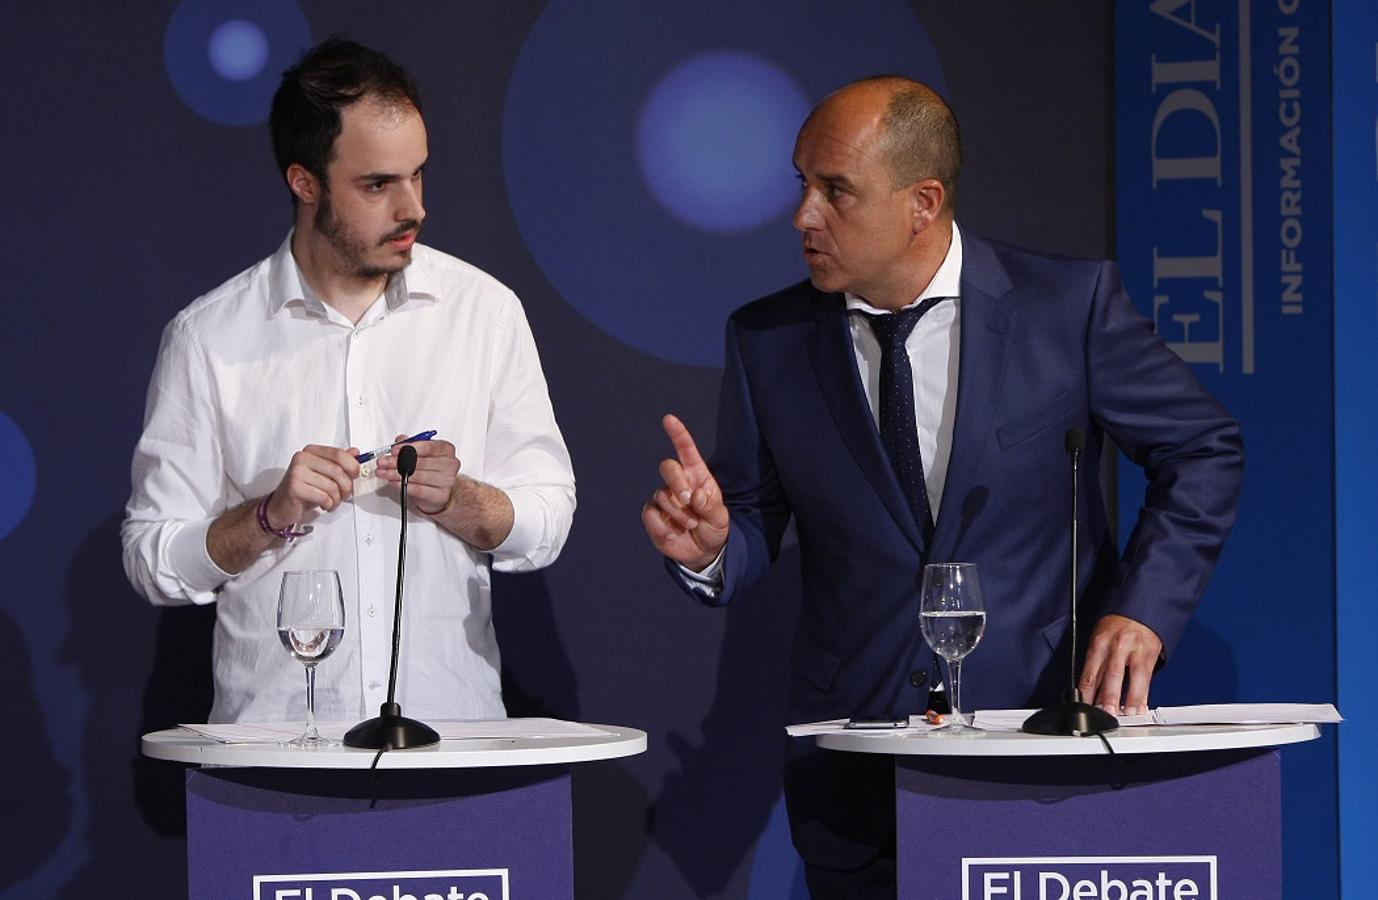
column 892, row 329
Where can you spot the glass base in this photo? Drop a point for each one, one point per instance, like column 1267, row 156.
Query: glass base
column 957, row 723
column 311, row 741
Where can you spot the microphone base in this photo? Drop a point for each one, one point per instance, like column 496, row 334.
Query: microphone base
column 1071, row 717
column 391, row 729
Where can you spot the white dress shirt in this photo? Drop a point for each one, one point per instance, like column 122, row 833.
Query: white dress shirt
column 259, row 368
column 934, row 347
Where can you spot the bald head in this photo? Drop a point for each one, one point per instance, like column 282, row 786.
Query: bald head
column 917, row 132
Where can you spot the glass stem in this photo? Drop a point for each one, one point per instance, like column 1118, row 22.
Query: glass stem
column 311, row 733
column 954, row 675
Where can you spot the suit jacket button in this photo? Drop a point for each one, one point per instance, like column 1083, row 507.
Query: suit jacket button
column 918, row 679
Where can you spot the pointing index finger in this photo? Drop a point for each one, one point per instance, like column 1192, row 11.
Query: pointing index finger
column 685, row 448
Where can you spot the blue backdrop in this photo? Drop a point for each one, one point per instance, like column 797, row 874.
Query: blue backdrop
column 1230, row 239
column 625, row 168
column 1355, row 34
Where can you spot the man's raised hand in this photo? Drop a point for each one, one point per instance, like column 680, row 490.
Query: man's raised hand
column 685, row 518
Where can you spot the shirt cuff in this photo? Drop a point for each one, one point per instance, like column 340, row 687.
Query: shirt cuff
column 191, row 561
column 523, row 541
column 711, row 575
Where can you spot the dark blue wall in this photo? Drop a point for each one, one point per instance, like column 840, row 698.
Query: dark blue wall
column 128, row 195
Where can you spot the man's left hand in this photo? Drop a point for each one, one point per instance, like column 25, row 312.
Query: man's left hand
column 430, row 485
column 1119, row 664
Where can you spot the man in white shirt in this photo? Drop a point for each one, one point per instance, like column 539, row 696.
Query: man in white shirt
column 351, row 335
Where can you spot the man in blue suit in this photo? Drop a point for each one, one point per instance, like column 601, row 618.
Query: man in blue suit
column 908, row 404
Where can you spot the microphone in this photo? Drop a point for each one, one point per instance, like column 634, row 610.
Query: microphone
column 406, row 461
column 390, row 729
column 1072, row 716
column 1074, row 440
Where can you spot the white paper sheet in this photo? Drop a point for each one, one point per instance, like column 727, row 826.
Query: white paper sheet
column 1249, row 714
column 1210, row 714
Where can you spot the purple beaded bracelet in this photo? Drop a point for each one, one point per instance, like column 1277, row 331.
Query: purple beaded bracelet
column 287, row 533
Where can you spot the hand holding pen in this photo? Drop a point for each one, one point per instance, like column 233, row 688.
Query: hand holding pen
column 387, row 448
column 317, row 477
column 431, row 486
column 322, row 477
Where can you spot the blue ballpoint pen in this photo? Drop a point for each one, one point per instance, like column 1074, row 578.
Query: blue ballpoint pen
column 387, row 448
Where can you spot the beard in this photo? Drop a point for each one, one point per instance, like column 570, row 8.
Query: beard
column 352, row 249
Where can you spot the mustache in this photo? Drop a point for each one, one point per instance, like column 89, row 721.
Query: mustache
column 402, row 231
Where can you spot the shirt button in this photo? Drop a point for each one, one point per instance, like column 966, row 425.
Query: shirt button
column 361, row 401
column 372, row 610
column 374, row 685
column 917, row 679
column 368, row 537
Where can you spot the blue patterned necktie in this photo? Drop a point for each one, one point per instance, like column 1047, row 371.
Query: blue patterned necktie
column 899, row 432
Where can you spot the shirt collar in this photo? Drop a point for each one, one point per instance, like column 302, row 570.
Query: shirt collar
column 286, row 284
column 946, row 282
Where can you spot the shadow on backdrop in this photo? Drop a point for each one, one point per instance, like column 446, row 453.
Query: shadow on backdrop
column 179, row 689
column 731, row 779
column 538, row 679
column 38, row 805
column 142, row 670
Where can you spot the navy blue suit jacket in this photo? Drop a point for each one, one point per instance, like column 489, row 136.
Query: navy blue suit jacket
column 1047, row 344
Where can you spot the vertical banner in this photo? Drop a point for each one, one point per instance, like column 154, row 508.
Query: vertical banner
column 1223, row 195
column 1355, row 73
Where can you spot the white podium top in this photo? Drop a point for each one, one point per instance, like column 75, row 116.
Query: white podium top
column 1138, row 739
column 181, row 745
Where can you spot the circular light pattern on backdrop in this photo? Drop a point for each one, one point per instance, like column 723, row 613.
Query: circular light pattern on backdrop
column 226, row 57
column 710, row 140
column 21, row 475
column 646, row 150
column 238, row 50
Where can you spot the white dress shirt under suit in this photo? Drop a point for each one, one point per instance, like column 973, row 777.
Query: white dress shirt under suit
column 933, row 347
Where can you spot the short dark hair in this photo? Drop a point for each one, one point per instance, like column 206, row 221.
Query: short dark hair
column 305, row 120
column 922, row 139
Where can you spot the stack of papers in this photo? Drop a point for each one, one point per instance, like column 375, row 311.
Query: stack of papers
column 1208, row 714
column 455, row 730
column 1249, row 714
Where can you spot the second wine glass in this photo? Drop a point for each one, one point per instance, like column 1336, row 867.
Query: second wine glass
column 952, row 616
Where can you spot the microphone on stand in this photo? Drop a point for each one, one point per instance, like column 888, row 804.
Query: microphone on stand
column 1072, row 716
column 390, row 728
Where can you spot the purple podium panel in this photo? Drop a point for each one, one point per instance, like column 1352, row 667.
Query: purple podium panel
column 1174, row 826
column 421, row 834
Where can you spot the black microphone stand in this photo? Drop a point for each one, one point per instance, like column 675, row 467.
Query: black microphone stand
column 1072, row 716
column 390, row 728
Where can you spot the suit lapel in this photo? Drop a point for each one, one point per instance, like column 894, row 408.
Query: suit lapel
column 987, row 322
column 834, row 365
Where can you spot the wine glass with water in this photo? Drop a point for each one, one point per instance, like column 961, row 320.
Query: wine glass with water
column 311, row 623
column 952, row 616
